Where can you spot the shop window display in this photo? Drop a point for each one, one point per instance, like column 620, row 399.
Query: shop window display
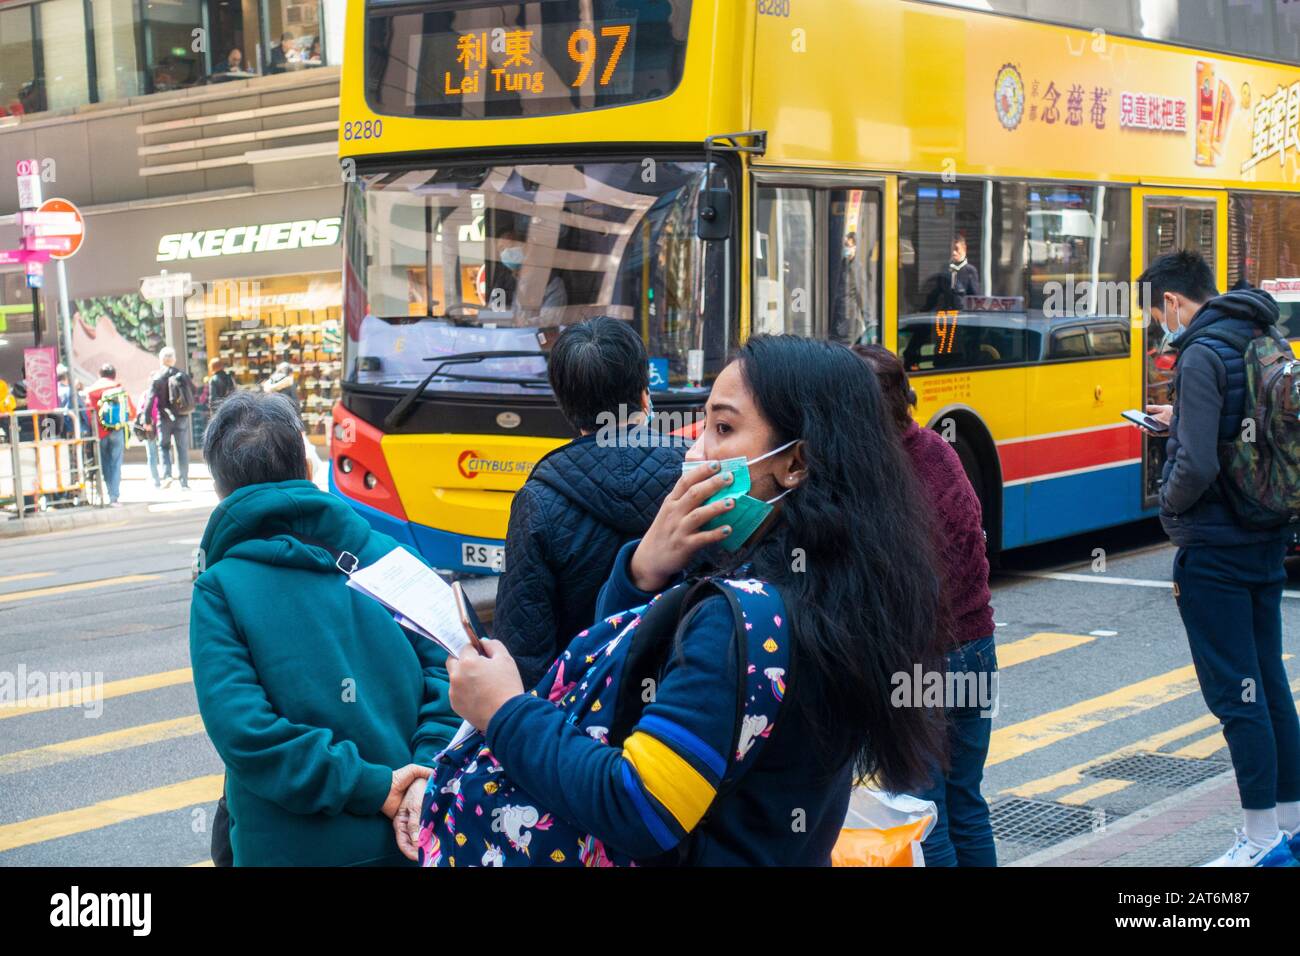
column 265, row 341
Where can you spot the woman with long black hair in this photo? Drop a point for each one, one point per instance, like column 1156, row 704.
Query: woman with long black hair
column 797, row 490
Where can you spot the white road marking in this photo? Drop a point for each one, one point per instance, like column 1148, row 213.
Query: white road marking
column 1105, row 579
column 1103, row 633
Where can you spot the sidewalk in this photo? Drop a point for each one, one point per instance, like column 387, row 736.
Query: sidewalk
column 138, row 497
column 138, row 489
column 1187, row 829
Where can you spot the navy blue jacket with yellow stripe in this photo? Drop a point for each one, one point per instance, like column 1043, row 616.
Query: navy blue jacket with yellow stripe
column 648, row 796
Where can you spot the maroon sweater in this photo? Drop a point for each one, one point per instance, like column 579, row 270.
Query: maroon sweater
column 963, row 555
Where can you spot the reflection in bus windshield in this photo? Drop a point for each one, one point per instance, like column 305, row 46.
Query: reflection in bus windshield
column 467, row 259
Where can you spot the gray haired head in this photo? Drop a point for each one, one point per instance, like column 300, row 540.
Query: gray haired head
column 254, row 438
column 167, row 355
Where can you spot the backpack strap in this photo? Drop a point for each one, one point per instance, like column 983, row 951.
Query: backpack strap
column 764, row 653
column 652, row 642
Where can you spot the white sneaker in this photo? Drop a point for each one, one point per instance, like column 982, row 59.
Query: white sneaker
column 1246, row 853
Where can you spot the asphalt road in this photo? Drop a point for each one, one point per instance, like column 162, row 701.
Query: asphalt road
column 1094, row 665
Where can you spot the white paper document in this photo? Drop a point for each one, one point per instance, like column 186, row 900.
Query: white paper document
column 417, row 596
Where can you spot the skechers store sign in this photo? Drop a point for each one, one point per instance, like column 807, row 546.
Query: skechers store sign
column 239, row 240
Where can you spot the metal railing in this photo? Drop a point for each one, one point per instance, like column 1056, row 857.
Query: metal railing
column 47, row 462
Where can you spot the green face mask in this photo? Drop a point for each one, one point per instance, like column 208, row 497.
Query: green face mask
column 748, row 512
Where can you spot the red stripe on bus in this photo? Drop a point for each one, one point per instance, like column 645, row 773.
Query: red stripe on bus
column 1045, row 456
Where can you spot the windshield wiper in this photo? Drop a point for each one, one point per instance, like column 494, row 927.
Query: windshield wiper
column 402, row 410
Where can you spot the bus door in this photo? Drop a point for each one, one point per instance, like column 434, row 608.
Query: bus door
column 817, row 256
column 1172, row 220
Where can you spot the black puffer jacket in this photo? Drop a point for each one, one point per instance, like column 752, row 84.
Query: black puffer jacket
column 582, row 502
column 1209, row 401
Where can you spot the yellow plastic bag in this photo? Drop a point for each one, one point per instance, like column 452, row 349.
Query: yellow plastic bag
column 892, row 826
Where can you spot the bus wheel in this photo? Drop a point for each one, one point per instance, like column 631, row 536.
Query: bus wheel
column 970, row 463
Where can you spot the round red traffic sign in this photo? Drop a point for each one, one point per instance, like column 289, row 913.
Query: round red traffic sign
column 74, row 233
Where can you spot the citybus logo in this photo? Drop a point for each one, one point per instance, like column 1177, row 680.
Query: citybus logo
column 1009, row 96
column 466, row 462
column 239, row 240
column 470, row 465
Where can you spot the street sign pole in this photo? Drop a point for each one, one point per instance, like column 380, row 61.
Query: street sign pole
column 67, row 344
column 28, row 172
column 36, row 320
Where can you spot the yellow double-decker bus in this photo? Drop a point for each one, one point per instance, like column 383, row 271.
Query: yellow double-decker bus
column 973, row 190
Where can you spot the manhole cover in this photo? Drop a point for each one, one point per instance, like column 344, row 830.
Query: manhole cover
column 1041, row 822
column 1164, row 770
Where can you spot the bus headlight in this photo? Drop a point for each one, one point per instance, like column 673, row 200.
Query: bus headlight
column 371, row 481
column 345, row 464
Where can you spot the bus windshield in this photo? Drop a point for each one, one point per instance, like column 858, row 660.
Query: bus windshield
column 463, row 260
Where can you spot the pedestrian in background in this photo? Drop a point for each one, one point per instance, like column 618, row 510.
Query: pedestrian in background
column 284, row 382
column 220, row 384
column 67, row 427
column 111, row 410
column 323, row 726
column 145, row 429
column 963, row 834
column 1228, row 577
column 175, row 397
column 584, row 500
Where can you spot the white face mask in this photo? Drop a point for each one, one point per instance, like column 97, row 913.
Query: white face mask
column 1171, row 335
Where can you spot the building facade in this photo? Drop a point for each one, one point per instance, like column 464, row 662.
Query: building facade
column 223, row 178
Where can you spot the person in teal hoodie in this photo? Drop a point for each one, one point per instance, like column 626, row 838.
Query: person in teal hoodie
column 324, row 710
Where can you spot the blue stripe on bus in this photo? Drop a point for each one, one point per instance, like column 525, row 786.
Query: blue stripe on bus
column 1058, row 507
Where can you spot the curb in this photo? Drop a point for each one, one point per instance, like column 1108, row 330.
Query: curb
column 82, row 517
column 1054, row 855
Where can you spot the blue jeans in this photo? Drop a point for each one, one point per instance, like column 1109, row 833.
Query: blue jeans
column 111, row 447
column 963, row 835
column 175, row 431
column 1230, row 599
column 151, row 450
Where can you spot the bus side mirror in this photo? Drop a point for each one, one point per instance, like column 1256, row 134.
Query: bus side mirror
column 713, row 221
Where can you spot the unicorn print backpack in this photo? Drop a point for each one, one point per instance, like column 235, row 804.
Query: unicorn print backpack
column 473, row 815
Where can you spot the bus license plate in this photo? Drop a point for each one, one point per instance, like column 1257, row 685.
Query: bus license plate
column 490, row 556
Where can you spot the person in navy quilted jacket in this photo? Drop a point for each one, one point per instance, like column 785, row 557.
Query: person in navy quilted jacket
column 585, row 499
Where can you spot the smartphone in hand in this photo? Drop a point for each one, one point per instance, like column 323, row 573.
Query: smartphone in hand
column 474, row 629
column 1145, row 422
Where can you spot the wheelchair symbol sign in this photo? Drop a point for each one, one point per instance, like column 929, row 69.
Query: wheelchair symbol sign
column 659, row 374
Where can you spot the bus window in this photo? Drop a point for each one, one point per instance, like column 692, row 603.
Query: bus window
column 854, row 264
column 784, row 260
column 480, row 259
column 1078, row 240
column 1108, row 340
column 1264, row 247
column 1068, row 344
column 961, row 282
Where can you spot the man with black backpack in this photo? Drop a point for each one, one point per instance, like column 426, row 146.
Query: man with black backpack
column 174, row 393
column 1227, row 494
